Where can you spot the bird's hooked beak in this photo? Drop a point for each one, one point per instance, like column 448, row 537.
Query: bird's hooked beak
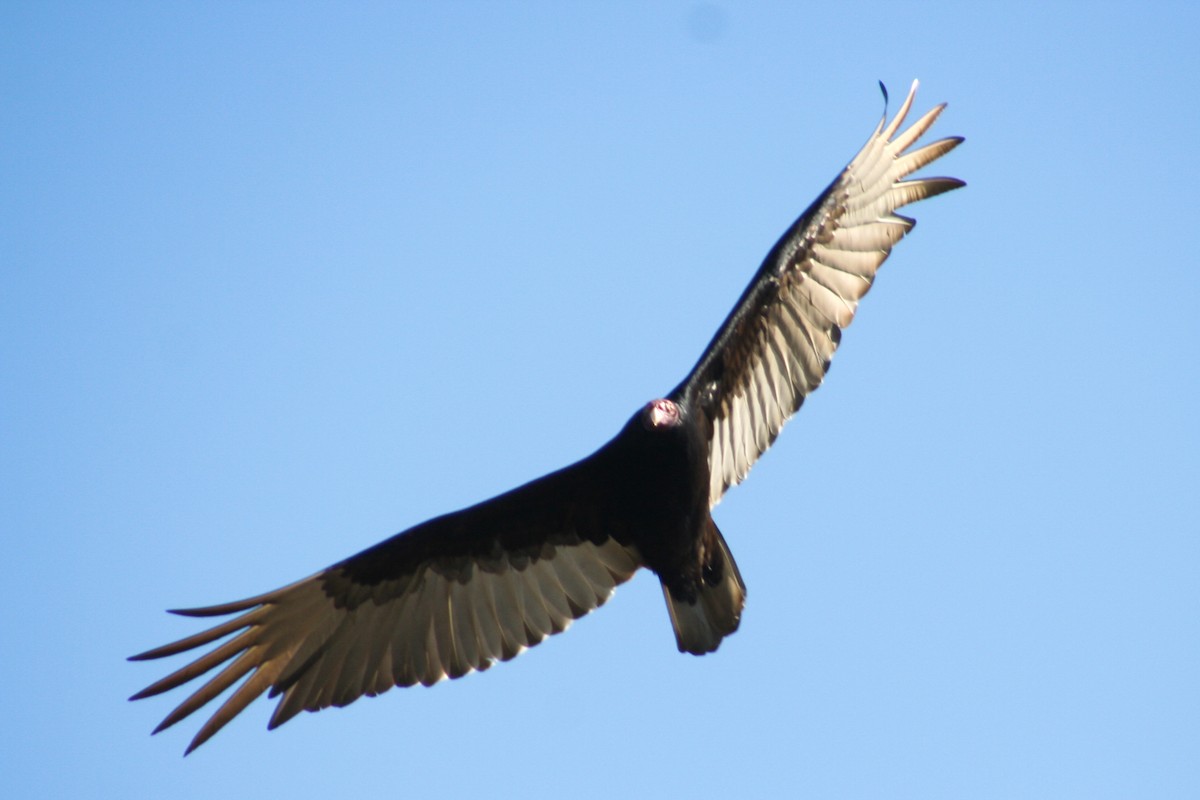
column 661, row 414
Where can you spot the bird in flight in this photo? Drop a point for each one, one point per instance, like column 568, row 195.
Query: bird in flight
column 461, row 591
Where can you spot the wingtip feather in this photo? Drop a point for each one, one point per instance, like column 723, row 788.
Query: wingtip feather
column 902, row 112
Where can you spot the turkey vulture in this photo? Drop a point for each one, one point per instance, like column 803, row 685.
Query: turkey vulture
column 463, row 590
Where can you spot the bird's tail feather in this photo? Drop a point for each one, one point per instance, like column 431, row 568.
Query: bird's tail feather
column 715, row 607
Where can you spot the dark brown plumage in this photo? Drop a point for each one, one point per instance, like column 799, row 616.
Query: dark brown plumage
column 461, row 591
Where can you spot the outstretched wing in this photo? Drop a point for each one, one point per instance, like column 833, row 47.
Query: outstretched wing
column 452, row 595
column 774, row 348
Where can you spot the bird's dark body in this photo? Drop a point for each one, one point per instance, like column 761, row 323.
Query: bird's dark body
column 464, row 590
column 646, row 488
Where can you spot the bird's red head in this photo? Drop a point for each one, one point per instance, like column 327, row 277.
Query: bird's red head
column 660, row 414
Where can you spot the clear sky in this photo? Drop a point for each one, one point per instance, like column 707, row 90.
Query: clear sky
column 281, row 279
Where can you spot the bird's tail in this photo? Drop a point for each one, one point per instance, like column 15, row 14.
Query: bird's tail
column 714, row 607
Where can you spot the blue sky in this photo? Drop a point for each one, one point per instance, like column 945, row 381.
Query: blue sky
column 281, row 280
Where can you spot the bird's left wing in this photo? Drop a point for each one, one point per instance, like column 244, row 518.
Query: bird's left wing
column 775, row 346
column 451, row 595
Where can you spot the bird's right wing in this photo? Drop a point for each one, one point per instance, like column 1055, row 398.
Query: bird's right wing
column 775, row 346
column 451, row 595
